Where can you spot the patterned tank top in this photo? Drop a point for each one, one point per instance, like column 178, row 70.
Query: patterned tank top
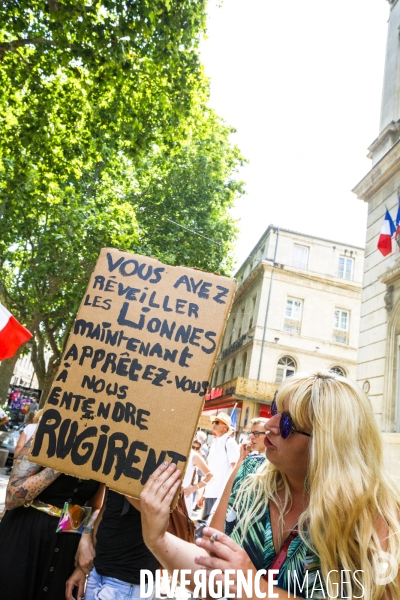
column 300, row 571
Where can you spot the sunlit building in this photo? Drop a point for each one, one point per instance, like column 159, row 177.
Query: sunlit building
column 378, row 370
column 297, row 307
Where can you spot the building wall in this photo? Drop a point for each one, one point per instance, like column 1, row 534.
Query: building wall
column 374, row 314
column 320, row 290
column 379, row 354
column 313, row 347
column 390, row 109
column 24, row 373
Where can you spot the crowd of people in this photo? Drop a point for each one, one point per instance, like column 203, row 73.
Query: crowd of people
column 306, row 496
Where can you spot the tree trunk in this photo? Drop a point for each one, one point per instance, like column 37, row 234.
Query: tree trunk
column 45, row 372
column 6, row 372
column 48, row 381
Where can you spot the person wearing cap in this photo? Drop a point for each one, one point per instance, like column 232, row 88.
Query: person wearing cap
column 223, row 456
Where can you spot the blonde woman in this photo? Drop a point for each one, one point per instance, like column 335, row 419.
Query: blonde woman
column 321, row 510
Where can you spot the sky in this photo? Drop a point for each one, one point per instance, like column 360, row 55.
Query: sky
column 301, row 82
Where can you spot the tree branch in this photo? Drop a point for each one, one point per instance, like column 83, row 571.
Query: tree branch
column 51, row 339
column 53, row 6
column 12, row 46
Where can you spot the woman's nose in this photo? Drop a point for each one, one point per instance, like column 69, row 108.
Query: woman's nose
column 272, row 423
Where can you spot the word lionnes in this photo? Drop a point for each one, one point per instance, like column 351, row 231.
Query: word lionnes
column 245, row 584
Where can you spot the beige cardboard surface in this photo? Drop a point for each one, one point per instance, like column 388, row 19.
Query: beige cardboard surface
column 131, row 385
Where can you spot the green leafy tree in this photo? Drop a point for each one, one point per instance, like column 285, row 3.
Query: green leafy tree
column 106, row 141
column 184, row 196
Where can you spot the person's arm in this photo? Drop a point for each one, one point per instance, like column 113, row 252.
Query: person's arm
column 86, row 552
column 218, row 519
column 173, row 553
column 4, row 420
column 155, row 502
column 383, row 533
column 232, row 451
column 20, row 444
column 27, row 480
column 225, row 554
column 77, row 580
column 200, row 464
column 3, row 417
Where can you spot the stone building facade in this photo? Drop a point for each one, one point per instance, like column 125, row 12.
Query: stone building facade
column 24, row 373
column 297, row 307
column 378, row 370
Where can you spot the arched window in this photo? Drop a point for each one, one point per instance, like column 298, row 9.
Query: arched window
column 338, row 371
column 286, row 368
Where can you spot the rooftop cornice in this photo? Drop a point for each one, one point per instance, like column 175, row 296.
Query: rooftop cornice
column 317, row 277
column 243, row 287
column 379, row 175
column 298, row 274
column 293, row 232
column 390, row 132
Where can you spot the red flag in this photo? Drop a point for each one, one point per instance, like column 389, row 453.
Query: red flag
column 12, row 334
column 385, row 238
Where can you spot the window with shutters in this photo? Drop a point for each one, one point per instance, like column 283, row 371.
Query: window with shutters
column 233, row 368
column 232, row 332
column 300, row 256
column 286, row 367
column 215, row 378
column 243, row 365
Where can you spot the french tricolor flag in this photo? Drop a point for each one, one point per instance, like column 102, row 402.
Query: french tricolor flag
column 398, row 221
column 12, row 334
column 385, row 239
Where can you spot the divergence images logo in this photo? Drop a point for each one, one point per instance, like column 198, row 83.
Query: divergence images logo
column 384, row 568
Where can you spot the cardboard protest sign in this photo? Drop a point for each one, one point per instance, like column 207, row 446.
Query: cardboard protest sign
column 131, row 385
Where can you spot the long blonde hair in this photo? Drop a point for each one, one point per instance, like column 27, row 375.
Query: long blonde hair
column 350, row 493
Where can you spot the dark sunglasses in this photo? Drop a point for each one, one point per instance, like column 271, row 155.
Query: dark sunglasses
column 195, row 447
column 216, row 422
column 256, row 434
column 286, row 425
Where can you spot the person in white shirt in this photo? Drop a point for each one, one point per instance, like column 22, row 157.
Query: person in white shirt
column 223, row 456
column 3, row 417
column 195, row 461
column 26, row 434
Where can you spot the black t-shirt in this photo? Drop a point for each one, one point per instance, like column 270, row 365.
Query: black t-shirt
column 120, row 550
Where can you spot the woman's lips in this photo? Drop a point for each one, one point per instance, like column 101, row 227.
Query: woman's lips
column 268, row 443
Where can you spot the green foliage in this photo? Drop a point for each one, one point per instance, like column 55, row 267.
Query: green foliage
column 106, row 141
column 193, row 185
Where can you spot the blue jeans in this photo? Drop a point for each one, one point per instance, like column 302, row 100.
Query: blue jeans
column 99, row 587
